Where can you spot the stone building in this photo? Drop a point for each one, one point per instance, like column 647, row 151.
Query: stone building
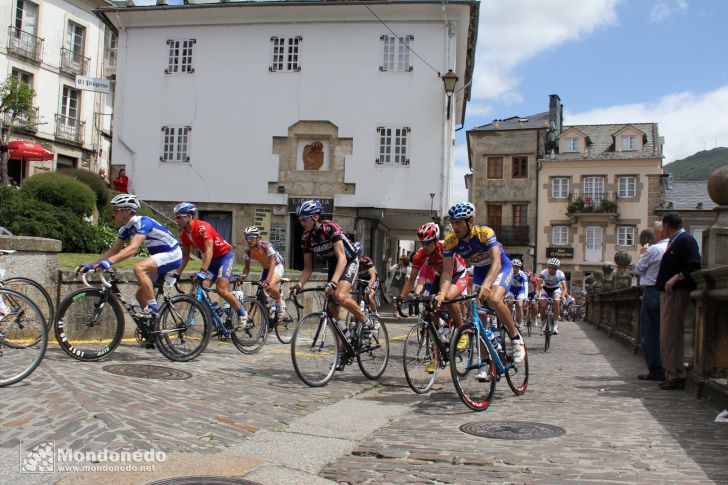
column 689, row 199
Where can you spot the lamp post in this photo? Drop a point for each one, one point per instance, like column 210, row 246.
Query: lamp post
column 432, row 201
column 449, row 80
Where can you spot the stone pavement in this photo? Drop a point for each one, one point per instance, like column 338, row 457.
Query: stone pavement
column 250, row 416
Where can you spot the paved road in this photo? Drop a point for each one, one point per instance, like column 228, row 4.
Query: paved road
column 249, row 416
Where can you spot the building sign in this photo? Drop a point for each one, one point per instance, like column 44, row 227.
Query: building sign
column 560, row 252
column 93, row 84
column 278, row 238
column 294, row 202
column 262, row 220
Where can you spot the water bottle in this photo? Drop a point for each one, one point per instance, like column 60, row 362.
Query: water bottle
column 239, row 295
column 342, row 326
column 272, row 311
column 493, row 339
column 216, row 307
column 445, row 332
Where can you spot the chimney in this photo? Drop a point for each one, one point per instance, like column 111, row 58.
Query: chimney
column 556, row 114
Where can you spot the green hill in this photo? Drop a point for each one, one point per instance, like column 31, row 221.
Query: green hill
column 699, row 165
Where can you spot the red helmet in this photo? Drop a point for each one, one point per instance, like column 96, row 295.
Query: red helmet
column 429, row 232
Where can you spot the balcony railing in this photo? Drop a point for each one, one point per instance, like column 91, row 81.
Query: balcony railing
column 592, row 203
column 73, row 63
column 26, row 123
column 25, row 44
column 511, row 235
column 69, row 129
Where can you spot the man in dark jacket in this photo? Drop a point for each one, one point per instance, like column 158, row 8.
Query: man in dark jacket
column 675, row 284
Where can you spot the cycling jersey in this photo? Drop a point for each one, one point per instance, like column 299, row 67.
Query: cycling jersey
column 365, row 264
column 519, row 280
column 320, row 241
column 261, row 252
column 476, row 250
column 200, row 232
column 434, row 260
column 552, row 281
column 158, row 238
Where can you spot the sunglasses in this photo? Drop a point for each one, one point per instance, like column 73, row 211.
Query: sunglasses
column 426, row 243
column 180, row 216
column 251, row 238
column 304, row 218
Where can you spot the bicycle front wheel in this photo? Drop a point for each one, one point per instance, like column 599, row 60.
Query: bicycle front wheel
column 183, row 328
column 287, row 323
column 516, row 372
column 547, row 333
column 89, row 325
column 372, row 351
column 472, row 369
column 23, row 337
column 35, row 292
column 250, row 333
column 420, row 352
column 314, row 350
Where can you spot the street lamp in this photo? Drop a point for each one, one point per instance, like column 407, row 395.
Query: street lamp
column 449, row 80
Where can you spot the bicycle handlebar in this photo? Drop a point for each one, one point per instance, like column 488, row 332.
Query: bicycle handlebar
column 102, row 279
column 295, row 297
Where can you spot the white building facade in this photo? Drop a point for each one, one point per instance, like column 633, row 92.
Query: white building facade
column 245, row 109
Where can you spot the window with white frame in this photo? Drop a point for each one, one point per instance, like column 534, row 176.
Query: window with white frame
column 559, row 187
column 625, row 236
column 396, row 53
column 560, row 235
column 286, row 54
column 180, row 56
column 629, row 142
column 393, row 145
column 571, row 144
column 627, row 187
column 175, row 143
column 22, row 76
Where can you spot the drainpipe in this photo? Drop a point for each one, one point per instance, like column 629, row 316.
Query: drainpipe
column 538, row 191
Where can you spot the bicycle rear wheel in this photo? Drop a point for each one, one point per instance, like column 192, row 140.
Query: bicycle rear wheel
column 23, row 337
column 420, row 351
column 35, row 292
column 250, row 334
column 287, row 323
column 472, row 369
column 89, row 325
column 547, row 333
column 516, row 373
column 314, row 350
column 372, row 352
column 183, row 328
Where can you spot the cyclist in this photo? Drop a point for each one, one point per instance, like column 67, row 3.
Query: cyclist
column 272, row 263
column 518, row 289
column 492, row 267
column 368, row 274
column 326, row 240
column 134, row 232
column 218, row 258
column 551, row 284
column 532, row 284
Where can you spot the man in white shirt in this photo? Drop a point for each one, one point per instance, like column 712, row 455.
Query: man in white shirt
column 647, row 267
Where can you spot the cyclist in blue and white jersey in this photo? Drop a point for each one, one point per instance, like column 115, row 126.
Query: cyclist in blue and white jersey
column 518, row 289
column 134, row 232
column 551, row 284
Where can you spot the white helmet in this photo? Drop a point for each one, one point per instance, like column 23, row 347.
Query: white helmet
column 516, row 262
column 554, row 262
column 128, row 201
column 252, row 231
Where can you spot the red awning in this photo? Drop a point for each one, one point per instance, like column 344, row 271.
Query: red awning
column 27, row 150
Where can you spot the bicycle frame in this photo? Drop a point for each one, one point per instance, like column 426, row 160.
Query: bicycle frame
column 480, row 331
column 202, row 297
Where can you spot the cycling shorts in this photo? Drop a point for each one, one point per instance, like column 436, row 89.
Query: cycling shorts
column 222, row 266
column 279, row 270
column 351, row 270
column 519, row 293
column 166, row 262
column 554, row 293
column 503, row 278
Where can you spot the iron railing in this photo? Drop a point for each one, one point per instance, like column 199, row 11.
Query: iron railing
column 70, row 129
column 511, row 235
column 27, row 123
column 73, row 63
column 25, row 44
column 592, row 202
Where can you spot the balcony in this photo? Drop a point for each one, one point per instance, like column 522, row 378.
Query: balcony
column 512, row 235
column 110, row 63
column 69, row 129
column 22, row 123
column 25, row 44
column 72, row 63
column 593, row 203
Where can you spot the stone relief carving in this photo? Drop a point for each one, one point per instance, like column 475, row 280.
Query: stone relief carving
column 313, row 156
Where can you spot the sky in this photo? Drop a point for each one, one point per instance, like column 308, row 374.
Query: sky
column 610, row 61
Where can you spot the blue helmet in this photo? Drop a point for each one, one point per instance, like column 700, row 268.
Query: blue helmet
column 309, row 207
column 357, row 248
column 461, row 211
column 185, row 208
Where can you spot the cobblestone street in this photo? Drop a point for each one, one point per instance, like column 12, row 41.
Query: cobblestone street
column 240, row 415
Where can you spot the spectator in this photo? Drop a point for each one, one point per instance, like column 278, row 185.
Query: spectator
column 121, row 182
column 13, row 183
column 647, row 267
column 400, row 274
column 673, row 280
column 102, row 174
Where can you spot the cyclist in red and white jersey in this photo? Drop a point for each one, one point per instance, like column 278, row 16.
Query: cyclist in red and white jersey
column 272, row 263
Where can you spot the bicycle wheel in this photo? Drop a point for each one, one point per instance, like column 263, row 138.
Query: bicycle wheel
column 90, row 324
column 516, row 373
column 472, row 369
column 249, row 335
column 183, row 328
column 372, row 352
column 547, row 333
column 23, row 337
column 314, row 350
column 35, row 292
column 287, row 323
column 419, row 352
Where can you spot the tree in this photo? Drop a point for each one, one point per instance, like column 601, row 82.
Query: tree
column 16, row 103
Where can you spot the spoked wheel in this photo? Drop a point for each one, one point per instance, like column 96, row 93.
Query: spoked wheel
column 516, row 373
column 35, row 293
column 547, row 334
column 420, row 359
column 89, row 325
column 23, row 337
column 314, row 350
column 250, row 333
column 183, row 328
column 472, row 369
column 372, row 352
column 287, row 323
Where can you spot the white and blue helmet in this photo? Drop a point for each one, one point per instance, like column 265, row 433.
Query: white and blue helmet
column 185, row 208
column 126, row 201
column 461, row 211
column 309, row 207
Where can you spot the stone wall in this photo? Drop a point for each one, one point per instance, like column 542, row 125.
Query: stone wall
column 36, row 258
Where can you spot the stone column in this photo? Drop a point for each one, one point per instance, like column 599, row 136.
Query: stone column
column 715, row 238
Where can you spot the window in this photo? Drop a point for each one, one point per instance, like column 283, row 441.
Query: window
column 24, row 77
column 494, row 168
column 560, row 187
column 75, row 39
column 629, row 142
column 175, row 143
column 396, row 53
column 627, row 187
column 495, row 215
column 593, row 190
column 70, row 103
column 520, row 168
column 520, row 214
column 393, row 145
column 26, row 17
column 180, row 56
column 286, row 54
column 625, row 236
column 571, row 145
column 560, row 235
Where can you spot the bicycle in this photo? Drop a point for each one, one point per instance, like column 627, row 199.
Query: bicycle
column 319, row 347
column 23, row 337
column 484, row 359
column 90, row 322
column 283, row 327
column 548, row 324
column 30, row 288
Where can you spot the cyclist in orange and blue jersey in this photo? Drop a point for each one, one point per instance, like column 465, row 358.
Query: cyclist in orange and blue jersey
column 272, row 263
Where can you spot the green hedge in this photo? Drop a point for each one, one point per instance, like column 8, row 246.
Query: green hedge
column 96, row 183
column 62, row 191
